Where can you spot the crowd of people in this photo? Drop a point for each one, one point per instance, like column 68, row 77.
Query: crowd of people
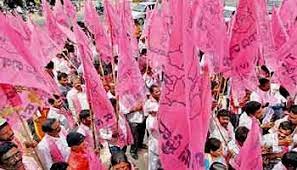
column 64, row 135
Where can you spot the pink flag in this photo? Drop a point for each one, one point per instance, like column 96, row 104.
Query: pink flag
column 112, row 19
column 280, row 35
column 157, row 38
column 244, row 45
column 53, row 30
column 18, row 66
column 286, row 72
column 101, row 107
column 70, row 10
column 103, row 43
column 245, row 160
column 288, row 14
column 185, row 97
column 130, row 86
column 210, row 30
column 60, row 14
column 20, row 26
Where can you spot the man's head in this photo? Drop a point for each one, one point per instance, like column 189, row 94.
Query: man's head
column 59, row 55
column 155, row 92
column 285, row 129
column 76, row 83
column 264, row 84
column 76, row 141
column 85, row 117
column 10, row 156
column 55, row 101
column 59, row 166
column 51, row 127
column 63, row 79
column 293, row 114
column 289, row 160
column 241, row 134
column 214, row 147
column 254, row 108
column 6, row 133
column 223, row 117
column 119, row 160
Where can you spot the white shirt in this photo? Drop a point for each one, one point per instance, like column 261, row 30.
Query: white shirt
column 272, row 96
column 84, row 130
column 53, row 113
column 82, row 98
column 29, row 163
column 221, row 133
column 151, row 123
column 233, row 147
column 279, row 166
column 134, row 117
column 44, row 149
column 61, row 65
column 245, row 121
column 148, row 106
column 110, row 95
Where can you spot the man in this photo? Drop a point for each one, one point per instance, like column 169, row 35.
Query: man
column 154, row 98
column 57, row 111
column 221, row 127
column 153, row 145
column 11, row 158
column 64, row 86
column 80, row 157
column 84, row 127
column 251, row 109
column 53, row 146
column 234, row 146
column 77, row 98
column 137, row 124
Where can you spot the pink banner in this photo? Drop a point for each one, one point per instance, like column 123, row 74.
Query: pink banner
column 245, row 160
column 101, row 106
column 103, row 43
column 60, row 14
column 286, row 72
column 210, row 30
column 130, row 86
column 53, row 30
column 244, row 45
column 112, row 19
column 70, row 10
column 185, row 97
column 288, row 14
column 18, row 65
column 280, row 35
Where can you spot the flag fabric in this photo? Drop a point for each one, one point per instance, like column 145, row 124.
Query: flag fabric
column 112, row 20
column 103, row 43
column 245, row 160
column 70, row 10
column 286, row 72
column 101, row 107
column 18, row 65
column 287, row 12
column 280, row 35
column 243, row 47
column 52, row 26
column 210, row 30
column 182, row 97
column 130, row 86
column 60, row 14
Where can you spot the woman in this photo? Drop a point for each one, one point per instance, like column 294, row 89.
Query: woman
column 119, row 161
column 214, row 152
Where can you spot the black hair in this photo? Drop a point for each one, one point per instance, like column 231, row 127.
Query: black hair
column 75, row 139
column 151, row 89
column 5, row 147
column 118, row 157
column 286, row 125
column 252, row 107
column 289, row 160
column 223, row 113
column 50, row 65
column 263, row 81
column 265, row 69
column 51, row 100
column 217, row 166
column 293, row 109
column 241, row 134
column 59, row 166
column 61, row 75
column 47, row 125
column 212, row 144
column 3, row 125
column 84, row 114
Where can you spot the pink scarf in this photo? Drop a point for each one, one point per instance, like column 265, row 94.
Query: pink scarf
column 77, row 104
column 55, row 152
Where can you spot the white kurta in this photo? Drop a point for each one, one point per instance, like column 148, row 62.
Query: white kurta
column 44, row 149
